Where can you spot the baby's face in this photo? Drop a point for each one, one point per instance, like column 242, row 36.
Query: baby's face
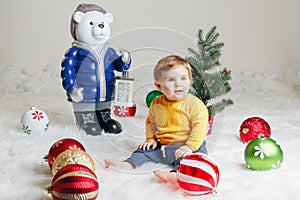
column 174, row 83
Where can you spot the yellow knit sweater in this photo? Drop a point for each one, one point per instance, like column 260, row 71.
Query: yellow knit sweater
column 177, row 123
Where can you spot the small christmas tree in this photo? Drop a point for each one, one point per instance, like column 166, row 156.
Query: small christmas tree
column 209, row 83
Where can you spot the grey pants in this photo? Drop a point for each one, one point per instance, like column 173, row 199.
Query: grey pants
column 161, row 154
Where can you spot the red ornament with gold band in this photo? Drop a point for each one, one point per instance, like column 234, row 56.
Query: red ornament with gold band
column 74, row 181
column 59, row 147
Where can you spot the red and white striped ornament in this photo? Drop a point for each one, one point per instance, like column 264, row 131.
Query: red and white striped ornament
column 197, row 174
column 74, row 181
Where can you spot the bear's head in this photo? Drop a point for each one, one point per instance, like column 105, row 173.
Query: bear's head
column 90, row 24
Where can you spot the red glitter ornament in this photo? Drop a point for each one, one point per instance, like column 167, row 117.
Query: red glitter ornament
column 60, row 146
column 197, row 174
column 252, row 127
column 74, row 181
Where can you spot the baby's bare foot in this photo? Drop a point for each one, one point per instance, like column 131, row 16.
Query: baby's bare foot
column 117, row 164
column 165, row 176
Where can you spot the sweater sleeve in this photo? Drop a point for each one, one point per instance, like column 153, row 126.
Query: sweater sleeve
column 150, row 125
column 199, row 121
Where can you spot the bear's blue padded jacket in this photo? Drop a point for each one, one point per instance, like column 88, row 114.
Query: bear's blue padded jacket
column 80, row 69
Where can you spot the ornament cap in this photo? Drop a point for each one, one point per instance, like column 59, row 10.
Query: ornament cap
column 49, row 189
column 214, row 190
column 261, row 136
column 45, row 158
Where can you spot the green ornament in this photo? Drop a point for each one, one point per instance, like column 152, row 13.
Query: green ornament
column 263, row 154
column 152, row 95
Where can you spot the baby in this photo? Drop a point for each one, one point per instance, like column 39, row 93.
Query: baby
column 176, row 122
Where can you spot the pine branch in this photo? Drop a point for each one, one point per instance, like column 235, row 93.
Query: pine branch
column 207, row 86
column 215, row 46
column 225, row 74
column 217, row 107
column 192, row 51
column 211, row 35
column 200, row 35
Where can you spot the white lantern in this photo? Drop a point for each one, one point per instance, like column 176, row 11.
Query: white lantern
column 123, row 103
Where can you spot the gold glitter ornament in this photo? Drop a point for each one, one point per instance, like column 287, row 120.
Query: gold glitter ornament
column 72, row 156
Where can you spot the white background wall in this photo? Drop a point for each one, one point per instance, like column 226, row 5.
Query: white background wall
column 258, row 34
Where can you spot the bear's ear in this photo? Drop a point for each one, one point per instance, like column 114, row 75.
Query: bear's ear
column 77, row 16
column 109, row 18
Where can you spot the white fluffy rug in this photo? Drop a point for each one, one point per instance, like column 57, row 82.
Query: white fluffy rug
column 24, row 175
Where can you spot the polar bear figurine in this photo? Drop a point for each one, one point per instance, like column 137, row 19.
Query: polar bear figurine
column 88, row 70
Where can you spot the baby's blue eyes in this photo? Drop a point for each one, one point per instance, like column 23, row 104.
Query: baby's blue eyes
column 183, row 78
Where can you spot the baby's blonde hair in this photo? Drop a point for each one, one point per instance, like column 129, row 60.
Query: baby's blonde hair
column 169, row 62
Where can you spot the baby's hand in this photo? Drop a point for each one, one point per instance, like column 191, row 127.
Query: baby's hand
column 183, row 151
column 147, row 144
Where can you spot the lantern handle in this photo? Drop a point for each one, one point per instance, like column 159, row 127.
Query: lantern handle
column 125, row 74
